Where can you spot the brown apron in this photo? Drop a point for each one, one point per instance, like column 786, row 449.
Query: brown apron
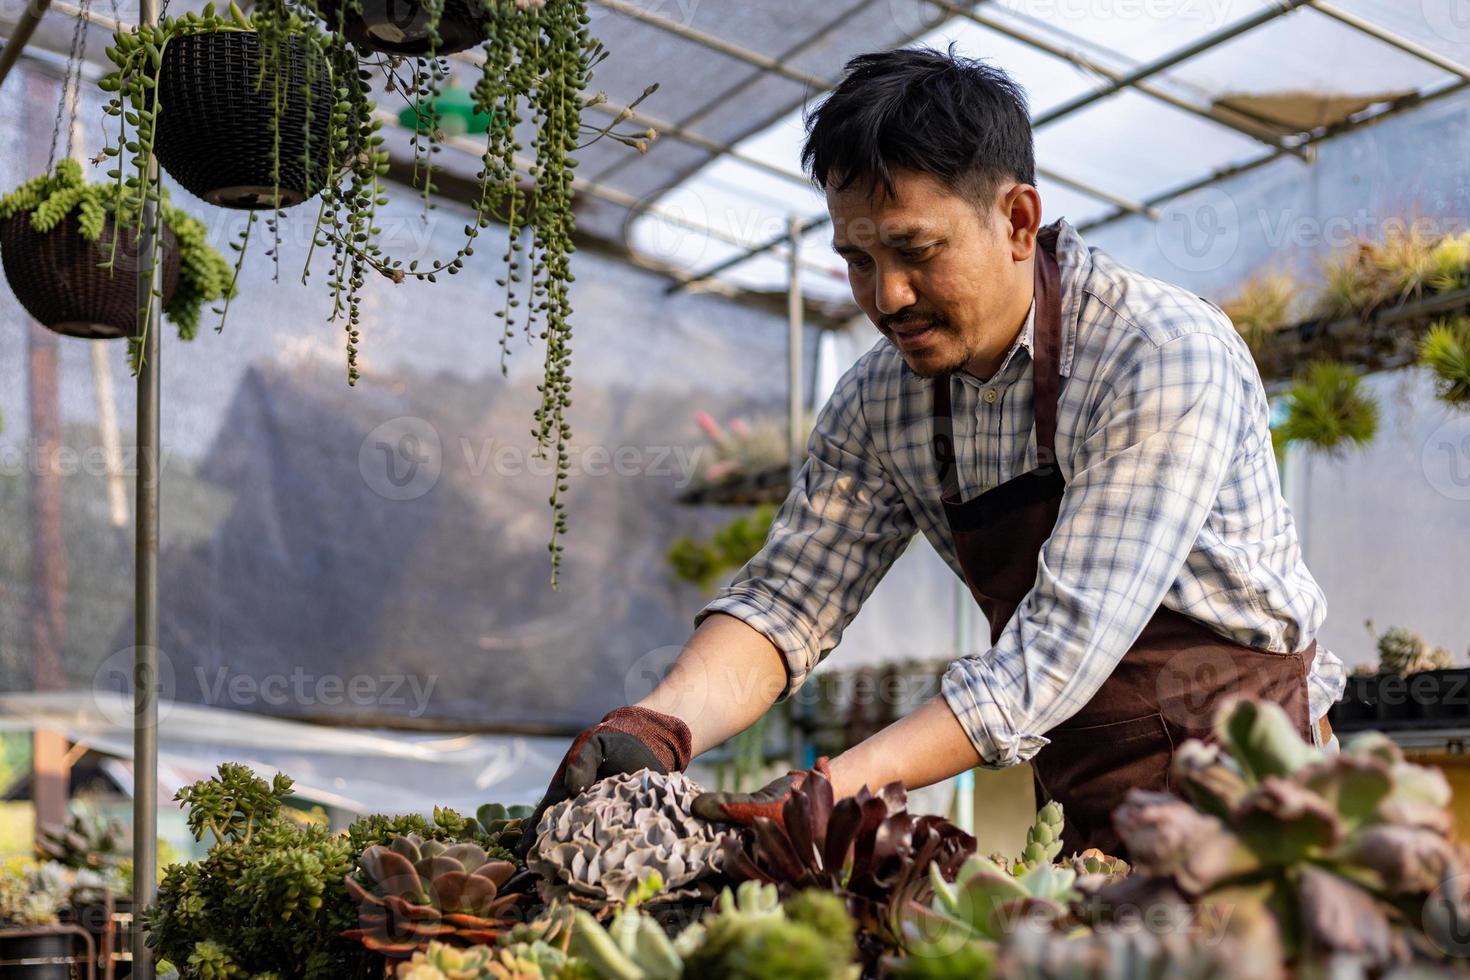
column 1165, row 688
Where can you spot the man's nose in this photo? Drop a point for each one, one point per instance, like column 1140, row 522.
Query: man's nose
column 892, row 292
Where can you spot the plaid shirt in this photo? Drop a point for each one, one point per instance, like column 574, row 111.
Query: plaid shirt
column 1172, row 498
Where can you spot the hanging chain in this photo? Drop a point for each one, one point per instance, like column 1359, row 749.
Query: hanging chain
column 71, row 84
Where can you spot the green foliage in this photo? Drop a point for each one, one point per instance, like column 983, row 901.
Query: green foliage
column 1328, row 409
column 704, row 563
column 204, row 274
column 1262, row 306
column 1043, row 838
column 1402, row 651
column 748, row 935
column 269, row 897
column 1445, row 350
column 355, row 157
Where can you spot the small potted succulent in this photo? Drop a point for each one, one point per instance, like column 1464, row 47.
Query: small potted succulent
column 74, row 272
column 32, row 897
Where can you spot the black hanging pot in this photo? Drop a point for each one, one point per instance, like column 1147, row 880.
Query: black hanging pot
column 38, row 955
column 402, row 26
column 55, row 276
column 215, row 127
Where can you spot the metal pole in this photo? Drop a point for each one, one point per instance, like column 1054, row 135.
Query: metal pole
column 20, row 35
column 145, row 582
column 796, row 414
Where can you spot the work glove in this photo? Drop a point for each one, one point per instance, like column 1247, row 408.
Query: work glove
column 768, row 802
column 626, row 740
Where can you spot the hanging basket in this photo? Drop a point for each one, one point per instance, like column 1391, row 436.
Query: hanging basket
column 402, row 26
column 215, row 127
column 55, row 276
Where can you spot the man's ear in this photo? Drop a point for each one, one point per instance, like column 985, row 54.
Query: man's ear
column 1020, row 208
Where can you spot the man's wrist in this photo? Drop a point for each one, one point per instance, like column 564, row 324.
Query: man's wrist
column 666, row 736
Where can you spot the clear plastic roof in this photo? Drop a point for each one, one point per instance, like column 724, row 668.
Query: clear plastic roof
column 1134, row 101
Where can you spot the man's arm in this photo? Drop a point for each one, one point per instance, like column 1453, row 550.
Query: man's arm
column 726, row 677
column 1148, row 474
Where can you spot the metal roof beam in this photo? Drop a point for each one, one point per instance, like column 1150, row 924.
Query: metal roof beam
column 714, row 43
column 1388, row 37
column 1211, row 114
column 1399, row 106
column 1131, row 79
column 21, row 35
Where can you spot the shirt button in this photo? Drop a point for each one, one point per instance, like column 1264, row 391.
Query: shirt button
column 990, row 395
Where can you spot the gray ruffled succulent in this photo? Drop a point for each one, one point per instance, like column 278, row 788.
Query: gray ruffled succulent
column 596, row 849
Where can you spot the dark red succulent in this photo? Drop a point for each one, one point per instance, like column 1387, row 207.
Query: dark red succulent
column 866, row 848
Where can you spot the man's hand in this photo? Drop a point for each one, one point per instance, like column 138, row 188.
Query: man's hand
column 743, row 808
column 626, row 740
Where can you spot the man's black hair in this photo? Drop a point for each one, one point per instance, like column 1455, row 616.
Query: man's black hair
column 957, row 119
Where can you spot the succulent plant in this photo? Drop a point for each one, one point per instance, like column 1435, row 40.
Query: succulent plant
column 1346, row 852
column 1094, row 864
column 84, row 841
column 867, row 848
column 268, row 898
column 33, row 894
column 413, row 891
column 1043, row 839
column 503, row 826
column 598, row 848
column 521, row 961
column 748, row 935
column 1402, row 651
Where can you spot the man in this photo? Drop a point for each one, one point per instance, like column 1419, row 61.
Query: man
column 1086, row 446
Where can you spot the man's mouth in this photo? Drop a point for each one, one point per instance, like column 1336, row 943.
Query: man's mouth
column 912, row 336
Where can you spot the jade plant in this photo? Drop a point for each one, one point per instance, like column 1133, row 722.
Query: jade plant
column 269, row 896
column 204, row 275
column 599, row 848
column 867, row 849
column 1344, row 856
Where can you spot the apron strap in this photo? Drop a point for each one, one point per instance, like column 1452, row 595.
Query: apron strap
column 1046, row 343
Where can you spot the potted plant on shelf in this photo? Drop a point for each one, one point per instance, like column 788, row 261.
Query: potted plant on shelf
column 32, row 897
column 75, row 271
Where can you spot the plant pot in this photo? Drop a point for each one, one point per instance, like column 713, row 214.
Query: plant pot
column 39, row 945
column 1358, row 707
column 215, row 128
column 1442, row 695
column 55, row 276
column 402, row 26
column 1395, row 703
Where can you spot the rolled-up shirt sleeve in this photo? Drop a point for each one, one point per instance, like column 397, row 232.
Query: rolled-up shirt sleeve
column 1145, row 478
column 833, row 539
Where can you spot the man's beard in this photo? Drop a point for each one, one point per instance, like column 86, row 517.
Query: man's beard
column 928, row 363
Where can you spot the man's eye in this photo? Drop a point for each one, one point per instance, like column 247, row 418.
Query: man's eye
column 858, row 262
column 918, row 254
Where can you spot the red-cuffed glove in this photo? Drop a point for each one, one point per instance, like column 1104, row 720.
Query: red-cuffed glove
column 626, row 740
column 743, row 808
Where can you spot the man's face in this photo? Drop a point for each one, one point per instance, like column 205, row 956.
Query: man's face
column 941, row 276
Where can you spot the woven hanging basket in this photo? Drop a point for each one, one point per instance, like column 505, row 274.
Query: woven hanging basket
column 215, row 128
column 402, row 26
column 55, row 276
